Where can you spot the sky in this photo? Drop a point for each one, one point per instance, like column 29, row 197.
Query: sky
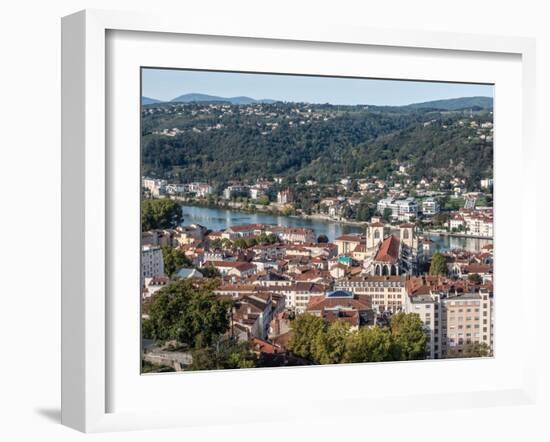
column 165, row 84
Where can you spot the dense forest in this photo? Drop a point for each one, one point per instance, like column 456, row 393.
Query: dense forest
column 219, row 142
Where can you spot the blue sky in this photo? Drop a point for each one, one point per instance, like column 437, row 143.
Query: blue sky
column 165, row 84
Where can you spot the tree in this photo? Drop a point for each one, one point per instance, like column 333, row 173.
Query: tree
column 224, row 353
column 210, row 272
column 304, row 331
column 322, row 239
column 160, row 214
column 472, row 350
column 263, row 200
column 174, row 259
column 475, row 278
column 216, row 244
column 240, row 243
column 438, row 265
column 251, row 242
column 369, row 345
column 386, row 214
column 190, row 315
column 226, row 243
column 408, row 337
column 329, row 347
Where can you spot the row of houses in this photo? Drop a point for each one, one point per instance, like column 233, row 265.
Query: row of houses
column 158, row 187
column 287, row 234
column 476, row 222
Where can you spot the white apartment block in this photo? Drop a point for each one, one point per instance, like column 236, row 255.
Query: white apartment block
column 297, row 295
column 478, row 223
column 152, row 262
column 202, row 190
column 454, row 320
column 155, row 186
column 430, row 206
column 401, row 210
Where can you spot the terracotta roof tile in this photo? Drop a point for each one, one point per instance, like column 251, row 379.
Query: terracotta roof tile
column 389, row 250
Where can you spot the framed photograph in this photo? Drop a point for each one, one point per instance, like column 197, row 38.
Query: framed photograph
column 291, row 207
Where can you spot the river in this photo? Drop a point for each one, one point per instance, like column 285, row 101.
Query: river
column 218, row 219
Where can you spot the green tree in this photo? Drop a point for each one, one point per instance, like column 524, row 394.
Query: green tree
column 160, row 214
column 187, row 314
column 408, row 337
column 263, row 200
column 372, row 344
column 322, row 239
column 329, row 346
column 251, row 242
column 438, row 265
column 386, row 214
column 223, row 353
column 226, row 243
column 210, row 272
column 240, row 243
column 174, row 259
column 216, row 244
column 304, row 331
column 471, row 350
column 475, row 278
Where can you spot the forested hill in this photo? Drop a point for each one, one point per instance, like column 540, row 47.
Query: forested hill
column 223, row 142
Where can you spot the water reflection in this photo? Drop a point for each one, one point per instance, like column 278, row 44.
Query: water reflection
column 218, row 219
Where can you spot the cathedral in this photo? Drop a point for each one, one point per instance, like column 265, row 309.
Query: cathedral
column 398, row 253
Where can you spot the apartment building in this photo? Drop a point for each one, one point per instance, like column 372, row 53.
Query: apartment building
column 152, row 262
column 386, row 293
column 402, row 210
column 453, row 320
column 430, row 207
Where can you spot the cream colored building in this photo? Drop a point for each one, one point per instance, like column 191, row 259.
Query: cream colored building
column 347, row 243
column 454, row 320
column 385, row 292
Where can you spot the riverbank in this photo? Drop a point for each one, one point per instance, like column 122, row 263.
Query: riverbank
column 456, row 235
column 219, row 219
column 348, row 226
column 270, row 209
column 326, row 218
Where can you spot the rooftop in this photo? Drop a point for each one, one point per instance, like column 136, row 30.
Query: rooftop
column 389, row 250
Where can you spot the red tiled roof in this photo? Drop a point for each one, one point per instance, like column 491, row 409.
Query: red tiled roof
column 377, row 225
column 354, row 238
column 350, row 317
column 320, row 303
column 478, row 268
column 389, row 250
column 246, row 227
column 360, row 248
column 239, row 265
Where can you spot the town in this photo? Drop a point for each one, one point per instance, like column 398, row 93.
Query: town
column 277, row 280
column 438, row 205
column 290, row 234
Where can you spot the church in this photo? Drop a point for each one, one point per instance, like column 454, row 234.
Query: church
column 398, row 253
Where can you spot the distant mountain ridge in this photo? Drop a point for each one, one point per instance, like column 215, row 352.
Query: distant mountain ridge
column 189, row 98
column 445, row 105
column 455, row 104
column 147, row 100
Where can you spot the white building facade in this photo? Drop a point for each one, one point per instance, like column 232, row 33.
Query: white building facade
column 152, row 262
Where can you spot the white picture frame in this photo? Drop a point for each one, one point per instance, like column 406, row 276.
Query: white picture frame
column 87, row 214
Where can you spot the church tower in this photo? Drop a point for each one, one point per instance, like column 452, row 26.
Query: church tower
column 406, row 234
column 375, row 234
